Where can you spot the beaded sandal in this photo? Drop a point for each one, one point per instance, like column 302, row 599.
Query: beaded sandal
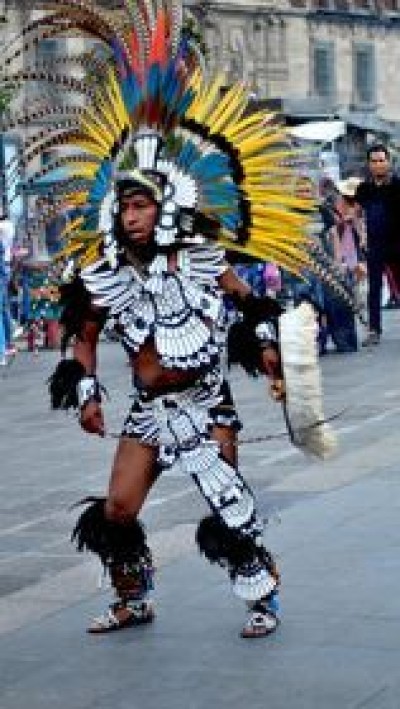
column 259, row 625
column 122, row 614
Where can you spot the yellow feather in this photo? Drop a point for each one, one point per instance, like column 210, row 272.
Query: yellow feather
column 244, row 124
column 88, row 146
column 233, row 110
column 229, row 102
column 75, row 224
column 106, row 103
column 294, row 265
column 76, row 198
column 270, row 211
column 83, row 169
column 95, row 117
column 275, row 138
column 96, row 135
column 67, row 251
column 118, row 102
column 205, row 99
column 91, row 254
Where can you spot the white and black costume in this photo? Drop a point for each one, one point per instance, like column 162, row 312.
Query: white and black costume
column 223, row 176
column 183, row 314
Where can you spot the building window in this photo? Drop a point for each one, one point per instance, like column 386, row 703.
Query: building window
column 322, row 4
column 342, row 5
column 3, row 11
column 323, row 70
column 364, row 75
column 392, row 5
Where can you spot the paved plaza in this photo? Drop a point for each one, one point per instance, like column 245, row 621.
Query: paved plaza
column 334, row 527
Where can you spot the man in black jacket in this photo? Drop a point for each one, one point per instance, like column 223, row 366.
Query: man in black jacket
column 379, row 196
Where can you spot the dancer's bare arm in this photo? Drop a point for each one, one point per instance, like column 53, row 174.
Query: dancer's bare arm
column 231, row 284
column 85, row 351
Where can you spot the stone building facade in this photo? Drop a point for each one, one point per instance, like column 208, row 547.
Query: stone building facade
column 321, row 57
column 315, row 59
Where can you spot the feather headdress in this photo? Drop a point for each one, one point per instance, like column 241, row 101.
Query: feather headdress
column 146, row 100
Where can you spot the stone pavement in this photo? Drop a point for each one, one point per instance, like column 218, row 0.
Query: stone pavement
column 337, row 538
column 338, row 645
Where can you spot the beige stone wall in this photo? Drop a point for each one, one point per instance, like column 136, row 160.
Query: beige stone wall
column 270, row 45
column 388, row 51
column 298, row 60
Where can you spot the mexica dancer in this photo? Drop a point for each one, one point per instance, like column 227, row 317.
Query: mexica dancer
column 158, row 173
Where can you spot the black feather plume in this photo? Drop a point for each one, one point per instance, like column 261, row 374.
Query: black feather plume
column 225, row 546
column 112, row 542
column 63, row 384
column 243, row 347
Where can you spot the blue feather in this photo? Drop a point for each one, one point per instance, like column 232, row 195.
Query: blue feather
column 119, row 56
column 211, row 167
column 188, row 155
column 230, row 220
column 185, row 101
column 153, row 80
column 170, row 84
column 101, row 182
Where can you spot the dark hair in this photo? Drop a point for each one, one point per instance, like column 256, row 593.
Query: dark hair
column 378, row 148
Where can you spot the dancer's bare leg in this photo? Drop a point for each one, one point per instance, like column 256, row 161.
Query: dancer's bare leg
column 132, row 476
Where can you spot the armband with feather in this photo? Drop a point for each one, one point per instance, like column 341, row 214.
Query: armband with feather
column 70, row 387
column 257, row 329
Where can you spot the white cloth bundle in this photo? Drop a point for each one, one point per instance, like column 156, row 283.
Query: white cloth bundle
column 303, row 405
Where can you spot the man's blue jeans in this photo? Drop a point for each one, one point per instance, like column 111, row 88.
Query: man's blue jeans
column 5, row 316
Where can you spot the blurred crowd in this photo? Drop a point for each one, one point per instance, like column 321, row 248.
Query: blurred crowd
column 22, row 325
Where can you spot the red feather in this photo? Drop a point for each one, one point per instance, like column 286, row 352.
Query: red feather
column 136, row 54
column 160, row 40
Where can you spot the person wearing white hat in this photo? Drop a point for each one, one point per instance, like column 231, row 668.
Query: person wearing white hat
column 345, row 237
column 348, row 188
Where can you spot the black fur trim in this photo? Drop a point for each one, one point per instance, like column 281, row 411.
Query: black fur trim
column 243, row 347
column 257, row 309
column 225, row 546
column 63, row 384
column 112, row 542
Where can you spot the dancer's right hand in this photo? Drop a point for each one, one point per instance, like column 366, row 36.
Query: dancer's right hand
column 91, row 418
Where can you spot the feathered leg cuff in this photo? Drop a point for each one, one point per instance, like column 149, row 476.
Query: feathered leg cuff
column 121, row 548
column 251, row 567
column 113, row 542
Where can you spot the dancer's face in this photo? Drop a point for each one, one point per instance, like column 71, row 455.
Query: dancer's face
column 138, row 214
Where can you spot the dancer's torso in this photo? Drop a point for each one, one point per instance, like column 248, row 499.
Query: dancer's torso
column 169, row 315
